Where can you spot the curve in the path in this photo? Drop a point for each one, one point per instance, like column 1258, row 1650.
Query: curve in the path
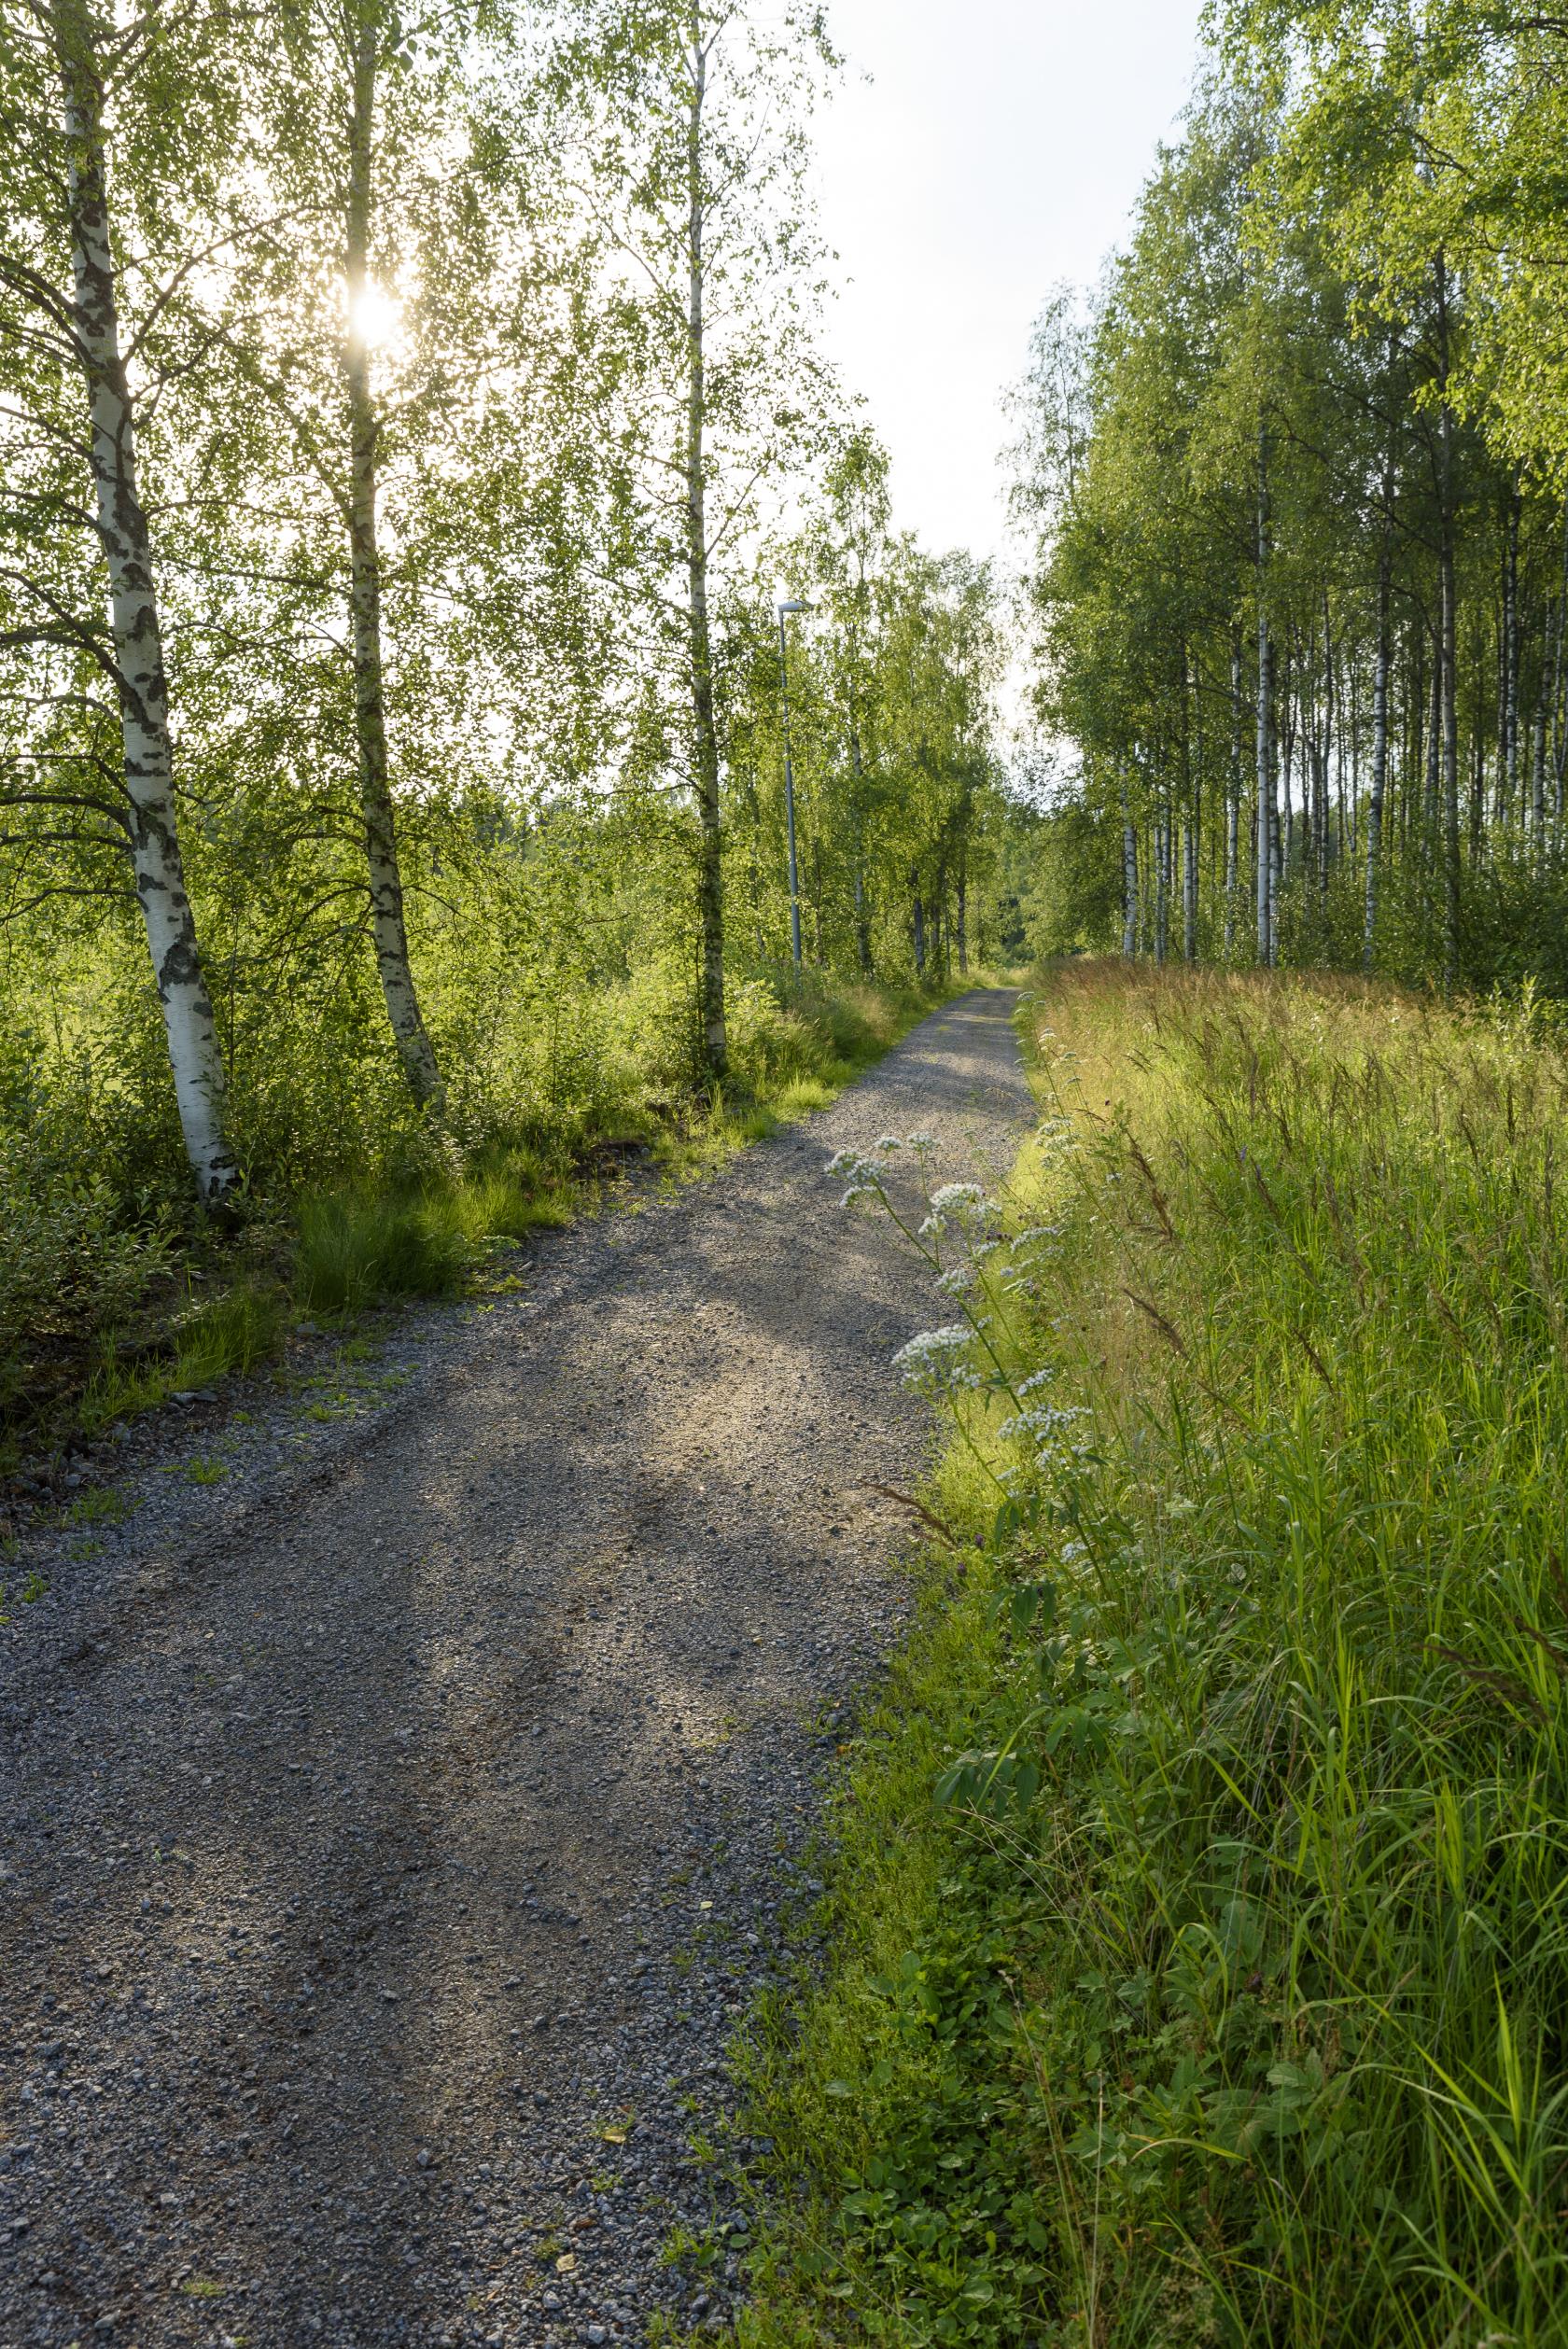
column 379, row 1885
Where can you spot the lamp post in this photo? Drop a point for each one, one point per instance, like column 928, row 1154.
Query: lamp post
column 790, row 781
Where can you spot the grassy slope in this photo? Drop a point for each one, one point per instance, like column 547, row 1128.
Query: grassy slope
column 1250, row 2027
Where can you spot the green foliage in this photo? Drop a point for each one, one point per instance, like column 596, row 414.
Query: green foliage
column 70, row 1264
column 1295, row 421
column 500, row 691
column 1246, row 2026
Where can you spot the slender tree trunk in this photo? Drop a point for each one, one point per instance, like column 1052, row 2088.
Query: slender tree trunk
column 1350, row 748
column 1538, row 777
column 1162, row 880
column 753, row 808
column 1432, row 779
column 862, row 920
column 195, row 1059
column 387, row 925
column 1511, row 662
column 1264, row 721
column 1192, row 759
column 919, row 923
column 1380, row 747
column 705, row 732
column 1451, row 651
column 1558, row 716
column 1129, row 874
column 1329, row 715
column 1233, row 800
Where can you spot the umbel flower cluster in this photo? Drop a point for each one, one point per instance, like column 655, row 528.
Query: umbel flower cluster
column 935, row 1364
column 960, row 1238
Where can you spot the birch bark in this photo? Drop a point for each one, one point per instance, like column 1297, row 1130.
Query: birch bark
column 1380, row 748
column 194, row 1054
column 1511, row 662
column 1265, row 722
column 1233, row 801
column 1192, row 767
column 862, row 918
column 710, row 872
column 1162, row 880
column 1449, row 661
column 388, row 927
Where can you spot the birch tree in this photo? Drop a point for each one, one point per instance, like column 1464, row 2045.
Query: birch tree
column 79, row 89
column 682, row 125
column 353, row 341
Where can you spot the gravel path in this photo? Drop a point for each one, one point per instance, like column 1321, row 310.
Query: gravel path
column 392, row 1832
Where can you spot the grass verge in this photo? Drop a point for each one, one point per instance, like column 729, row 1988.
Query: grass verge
column 1223, row 1997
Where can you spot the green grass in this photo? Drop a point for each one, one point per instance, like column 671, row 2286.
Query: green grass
column 1225, row 1999
column 355, row 1246
column 100, row 1504
column 232, row 1333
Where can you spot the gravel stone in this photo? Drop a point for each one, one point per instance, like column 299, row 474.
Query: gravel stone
column 396, row 1830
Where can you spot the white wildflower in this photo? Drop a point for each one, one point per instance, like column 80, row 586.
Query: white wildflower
column 932, row 1362
column 1045, row 1429
column 957, row 1198
column 1037, row 1378
column 863, row 1180
column 931, row 1345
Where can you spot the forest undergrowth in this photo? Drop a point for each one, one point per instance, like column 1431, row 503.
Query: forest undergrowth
column 115, row 1292
column 1198, row 1899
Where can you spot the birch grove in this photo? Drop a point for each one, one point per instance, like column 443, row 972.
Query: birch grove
column 1309, row 500
column 410, row 428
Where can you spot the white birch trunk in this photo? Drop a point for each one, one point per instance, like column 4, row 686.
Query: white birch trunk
column 1233, row 802
column 1380, row 757
column 710, row 870
column 194, row 1054
column 1192, row 770
column 1162, row 885
column 388, row 927
column 1265, row 724
column 1129, row 878
column 1511, row 664
column 862, row 918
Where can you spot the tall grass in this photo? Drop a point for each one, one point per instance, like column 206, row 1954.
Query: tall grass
column 1268, row 1985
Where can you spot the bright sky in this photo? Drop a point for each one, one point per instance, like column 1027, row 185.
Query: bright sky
column 997, row 147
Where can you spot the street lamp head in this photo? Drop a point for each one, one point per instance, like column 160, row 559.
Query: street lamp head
column 794, row 605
